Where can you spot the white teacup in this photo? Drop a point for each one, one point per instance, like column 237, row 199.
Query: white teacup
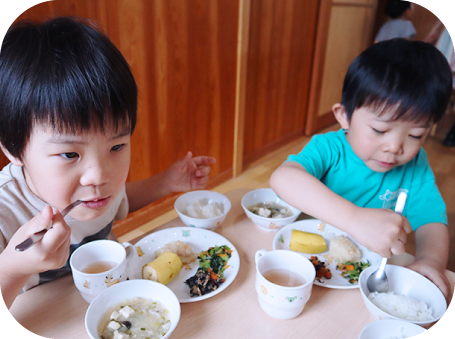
column 281, row 266
column 107, row 260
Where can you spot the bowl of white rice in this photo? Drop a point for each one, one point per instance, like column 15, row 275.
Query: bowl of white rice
column 202, row 209
column 411, row 297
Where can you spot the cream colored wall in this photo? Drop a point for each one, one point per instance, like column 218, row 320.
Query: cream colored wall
column 350, row 32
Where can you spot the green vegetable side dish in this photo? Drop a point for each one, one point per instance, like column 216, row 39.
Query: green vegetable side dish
column 351, row 270
column 215, row 258
column 209, row 275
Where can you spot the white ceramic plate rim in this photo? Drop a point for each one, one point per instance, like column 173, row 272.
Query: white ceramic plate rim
column 311, row 225
column 388, row 327
column 199, row 240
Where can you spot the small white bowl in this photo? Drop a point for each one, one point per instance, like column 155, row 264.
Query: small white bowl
column 267, row 195
column 381, row 329
column 404, row 281
column 205, row 197
column 128, row 290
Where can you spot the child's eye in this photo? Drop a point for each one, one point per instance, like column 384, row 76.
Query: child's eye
column 376, row 131
column 416, row 136
column 69, row 155
column 117, row 147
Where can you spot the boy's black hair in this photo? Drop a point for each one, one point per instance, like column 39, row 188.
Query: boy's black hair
column 65, row 73
column 411, row 77
column 396, row 8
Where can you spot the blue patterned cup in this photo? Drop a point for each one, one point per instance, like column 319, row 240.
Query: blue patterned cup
column 284, row 282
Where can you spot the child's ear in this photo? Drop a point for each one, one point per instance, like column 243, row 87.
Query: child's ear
column 341, row 115
column 14, row 160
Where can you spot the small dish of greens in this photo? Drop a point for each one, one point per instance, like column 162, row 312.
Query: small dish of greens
column 210, row 274
column 351, row 270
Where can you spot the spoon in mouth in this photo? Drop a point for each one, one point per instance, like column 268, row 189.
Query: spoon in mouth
column 34, row 238
column 378, row 282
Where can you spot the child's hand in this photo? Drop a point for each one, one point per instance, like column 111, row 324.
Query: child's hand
column 433, row 271
column 381, row 230
column 51, row 252
column 188, row 173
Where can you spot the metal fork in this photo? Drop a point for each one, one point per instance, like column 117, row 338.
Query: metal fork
column 37, row 236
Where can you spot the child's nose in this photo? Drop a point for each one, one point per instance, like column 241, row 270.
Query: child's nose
column 95, row 174
column 394, row 145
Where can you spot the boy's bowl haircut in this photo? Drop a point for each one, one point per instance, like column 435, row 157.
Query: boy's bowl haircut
column 63, row 73
column 411, row 77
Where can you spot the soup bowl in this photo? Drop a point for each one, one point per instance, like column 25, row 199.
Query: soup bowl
column 266, row 195
column 128, row 290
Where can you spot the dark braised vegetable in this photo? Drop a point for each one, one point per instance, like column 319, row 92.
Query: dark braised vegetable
column 321, row 270
column 203, row 282
column 209, row 275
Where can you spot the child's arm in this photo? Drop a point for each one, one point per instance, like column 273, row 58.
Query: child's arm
column 432, row 252
column 380, row 230
column 51, row 252
column 185, row 174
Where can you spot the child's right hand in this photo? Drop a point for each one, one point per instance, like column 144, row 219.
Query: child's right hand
column 51, row 252
column 380, row 230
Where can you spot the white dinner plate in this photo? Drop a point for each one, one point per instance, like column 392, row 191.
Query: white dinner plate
column 282, row 241
column 199, row 240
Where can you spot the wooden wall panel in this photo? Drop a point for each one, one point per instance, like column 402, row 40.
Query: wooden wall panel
column 183, row 55
column 280, row 56
column 350, row 26
column 345, row 29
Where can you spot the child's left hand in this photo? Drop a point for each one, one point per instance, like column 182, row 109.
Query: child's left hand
column 432, row 270
column 188, row 173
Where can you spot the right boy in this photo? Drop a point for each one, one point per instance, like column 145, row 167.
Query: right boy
column 393, row 93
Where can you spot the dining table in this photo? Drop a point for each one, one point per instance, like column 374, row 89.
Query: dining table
column 57, row 310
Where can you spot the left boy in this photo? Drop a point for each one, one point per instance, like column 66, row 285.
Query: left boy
column 68, row 105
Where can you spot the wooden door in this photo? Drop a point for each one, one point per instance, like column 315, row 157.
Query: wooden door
column 280, row 56
column 345, row 29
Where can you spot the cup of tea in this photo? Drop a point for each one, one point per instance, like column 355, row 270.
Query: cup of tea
column 284, row 281
column 98, row 265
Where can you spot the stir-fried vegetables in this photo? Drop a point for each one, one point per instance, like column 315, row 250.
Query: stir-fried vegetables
column 351, row 270
column 209, row 275
column 215, row 259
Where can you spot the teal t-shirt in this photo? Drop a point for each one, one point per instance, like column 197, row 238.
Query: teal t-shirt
column 330, row 158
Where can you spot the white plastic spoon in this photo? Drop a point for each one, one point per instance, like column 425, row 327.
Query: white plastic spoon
column 378, row 282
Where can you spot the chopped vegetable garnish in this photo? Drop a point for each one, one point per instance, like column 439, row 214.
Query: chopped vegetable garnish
column 215, row 258
column 351, row 270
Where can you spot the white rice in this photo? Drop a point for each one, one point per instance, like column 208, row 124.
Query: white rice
column 201, row 209
column 402, row 306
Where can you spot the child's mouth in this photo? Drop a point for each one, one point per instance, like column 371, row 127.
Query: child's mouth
column 97, row 203
column 385, row 164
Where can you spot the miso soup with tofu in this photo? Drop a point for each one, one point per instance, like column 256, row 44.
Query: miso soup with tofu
column 136, row 318
column 270, row 210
